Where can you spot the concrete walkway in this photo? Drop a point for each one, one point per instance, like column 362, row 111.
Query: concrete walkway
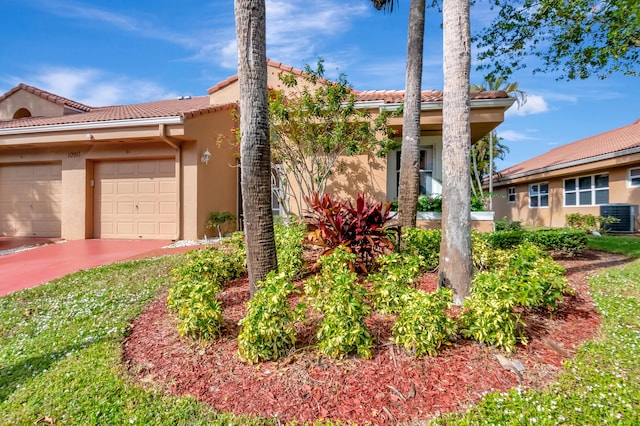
column 28, row 268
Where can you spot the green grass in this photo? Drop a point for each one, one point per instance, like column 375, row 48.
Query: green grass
column 60, row 352
column 599, row 386
column 621, row 244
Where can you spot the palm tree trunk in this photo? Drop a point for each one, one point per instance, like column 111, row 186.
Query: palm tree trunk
column 456, row 267
column 255, row 150
column 409, row 185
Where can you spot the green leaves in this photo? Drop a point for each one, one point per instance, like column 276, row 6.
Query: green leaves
column 267, row 331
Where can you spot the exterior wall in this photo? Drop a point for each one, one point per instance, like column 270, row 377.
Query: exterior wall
column 480, row 221
column 38, row 106
column 216, row 185
column 555, row 214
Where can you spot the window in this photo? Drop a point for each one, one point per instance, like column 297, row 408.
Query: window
column 511, row 194
column 586, row 190
column 634, row 177
column 426, row 170
column 539, row 195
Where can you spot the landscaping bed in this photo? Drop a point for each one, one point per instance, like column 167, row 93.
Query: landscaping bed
column 390, row 387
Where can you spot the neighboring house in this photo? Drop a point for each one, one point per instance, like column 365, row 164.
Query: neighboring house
column 597, row 175
column 156, row 169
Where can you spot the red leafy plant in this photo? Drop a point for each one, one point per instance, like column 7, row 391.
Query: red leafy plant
column 366, row 229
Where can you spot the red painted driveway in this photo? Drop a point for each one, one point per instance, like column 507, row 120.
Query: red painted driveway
column 29, row 268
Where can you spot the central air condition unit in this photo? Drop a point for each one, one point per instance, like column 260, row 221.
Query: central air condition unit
column 626, row 213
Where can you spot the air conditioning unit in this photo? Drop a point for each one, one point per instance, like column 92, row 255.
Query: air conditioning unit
column 626, row 213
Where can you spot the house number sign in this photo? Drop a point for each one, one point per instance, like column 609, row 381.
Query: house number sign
column 74, row 154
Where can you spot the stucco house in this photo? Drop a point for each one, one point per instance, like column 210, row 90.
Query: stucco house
column 157, row 169
column 598, row 175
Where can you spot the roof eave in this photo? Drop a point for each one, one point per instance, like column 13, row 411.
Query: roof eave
column 508, row 179
column 437, row 105
column 93, row 125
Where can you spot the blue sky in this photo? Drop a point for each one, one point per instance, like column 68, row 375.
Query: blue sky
column 105, row 53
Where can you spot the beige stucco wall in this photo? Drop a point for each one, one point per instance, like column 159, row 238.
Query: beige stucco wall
column 555, row 214
column 38, row 106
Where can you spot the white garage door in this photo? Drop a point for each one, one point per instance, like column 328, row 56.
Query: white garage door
column 135, row 199
column 30, row 200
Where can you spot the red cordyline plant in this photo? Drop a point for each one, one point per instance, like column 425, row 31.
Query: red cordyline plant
column 365, row 229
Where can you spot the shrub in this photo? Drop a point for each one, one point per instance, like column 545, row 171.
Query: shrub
column 507, row 225
column 430, row 203
column 267, row 331
column 197, row 282
column 290, row 249
column 217, row 219
column 343, row 305
column 566, row 240
column 589, row 222
column 365, row 229
column 485, row 257
column 424, row 243
column 505, row 239
column 424, row 325
column 392, row 282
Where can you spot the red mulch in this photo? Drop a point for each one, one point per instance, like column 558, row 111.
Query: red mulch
column 391, row 387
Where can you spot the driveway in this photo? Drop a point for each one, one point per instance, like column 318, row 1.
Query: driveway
column 28, row 268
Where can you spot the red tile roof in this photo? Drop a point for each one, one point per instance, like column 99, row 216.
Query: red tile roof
column 397, row 96
column 186, row 107
column 585, row 150
column 48, row 96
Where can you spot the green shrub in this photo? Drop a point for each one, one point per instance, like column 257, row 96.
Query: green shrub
column 566, row 240
column 423, row 325
column 197, row 282
column 505, row 239
column 343, row 305
column 218, row 219
column 507, row 225
column 424, row 243
column 589, row 222
column 493, row 321
column 430, row 203
column 393, row 281
column 290, row 249
column 485, row 257
column 267, row 331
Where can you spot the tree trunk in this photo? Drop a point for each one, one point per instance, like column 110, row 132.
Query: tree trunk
column 409, row 185
column 456, row 264
column 255, row 150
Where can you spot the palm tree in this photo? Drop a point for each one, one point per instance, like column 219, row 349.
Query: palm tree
column 255, row 151
column 492, row 84
column 409, row 156
column 456, row 267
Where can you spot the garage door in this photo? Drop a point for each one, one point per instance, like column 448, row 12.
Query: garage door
column 30, row 200
column 135, row 199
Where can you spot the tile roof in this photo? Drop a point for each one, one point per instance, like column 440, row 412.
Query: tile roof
column 397, row 96
column 48, row 96
column 186, row 107
column 585, row 150
column 230, row 80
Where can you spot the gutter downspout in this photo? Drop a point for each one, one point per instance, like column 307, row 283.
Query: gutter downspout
column 175, row 144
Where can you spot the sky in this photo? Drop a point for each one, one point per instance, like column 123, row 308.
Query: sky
column 119, row 52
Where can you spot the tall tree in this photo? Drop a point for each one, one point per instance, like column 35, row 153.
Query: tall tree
column 255, row 153
column 578, row 38
column 490, row 146
column 409, row 187
column 456, row 265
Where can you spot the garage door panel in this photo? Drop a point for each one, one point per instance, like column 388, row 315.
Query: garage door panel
column 31, row 199
column 137, row 189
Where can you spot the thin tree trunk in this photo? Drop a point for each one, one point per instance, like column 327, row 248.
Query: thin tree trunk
column 409, row 185
column 255, row 150
column 456, row 264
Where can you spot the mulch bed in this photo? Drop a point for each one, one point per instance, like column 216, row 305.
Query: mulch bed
column 391, row 387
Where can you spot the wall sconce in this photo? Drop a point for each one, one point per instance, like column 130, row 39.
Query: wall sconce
column 206, row 156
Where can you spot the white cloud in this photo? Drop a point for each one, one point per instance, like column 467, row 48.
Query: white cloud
column 535, row 104
column 96, row 87
column 514, row 136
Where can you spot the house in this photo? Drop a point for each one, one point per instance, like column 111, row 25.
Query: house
column 599, row 175
column 157, row 169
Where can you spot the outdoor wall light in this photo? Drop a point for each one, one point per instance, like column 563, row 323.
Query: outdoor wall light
column 206, row 156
